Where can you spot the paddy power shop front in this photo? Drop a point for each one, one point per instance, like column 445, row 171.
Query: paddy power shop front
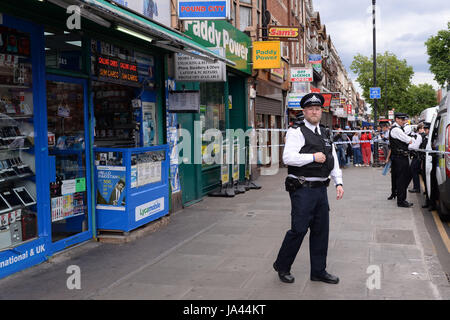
column 82, row 138
column 223, row 105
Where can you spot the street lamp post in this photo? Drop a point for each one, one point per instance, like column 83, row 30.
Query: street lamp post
column 375, row 107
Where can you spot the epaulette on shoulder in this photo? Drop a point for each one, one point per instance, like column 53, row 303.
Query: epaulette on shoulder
column 297, row 124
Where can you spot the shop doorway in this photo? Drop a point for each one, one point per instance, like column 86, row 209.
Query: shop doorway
column 68, row 142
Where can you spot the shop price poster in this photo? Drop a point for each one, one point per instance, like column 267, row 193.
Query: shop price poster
column 149, row 123
column 172, row 141
column 111, row 187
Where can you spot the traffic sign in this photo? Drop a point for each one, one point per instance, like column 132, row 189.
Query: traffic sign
column 375, row 93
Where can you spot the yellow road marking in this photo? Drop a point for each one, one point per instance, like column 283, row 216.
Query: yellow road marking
column 439, row 224
column 441, row 230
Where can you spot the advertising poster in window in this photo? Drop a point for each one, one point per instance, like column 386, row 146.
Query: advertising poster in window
column 111, row 187
column 149, row 124
column 158, row 10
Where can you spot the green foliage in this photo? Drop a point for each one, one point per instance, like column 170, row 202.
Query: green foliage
column 420, row 97
column 393, row 77
column 438, row 48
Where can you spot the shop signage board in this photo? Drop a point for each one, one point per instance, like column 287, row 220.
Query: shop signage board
column 327, row 102
column 184, row 101
column 114, row 69
column 391, row 114
column 221, row 34
column 335, row 99
column 158, row 10
column 294, row 99
column 266, row 54
column 283, row 33
column 147, row 209
column 316, row 61
column 188, row 68
column 201, row 9
column 301, row 74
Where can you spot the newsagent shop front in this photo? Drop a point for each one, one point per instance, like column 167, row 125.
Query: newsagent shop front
column 82, row 130
column 223, row 97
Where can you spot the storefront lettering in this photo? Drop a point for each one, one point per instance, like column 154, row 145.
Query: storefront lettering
column 21, row 257
column 217, row 38
column 116, row 69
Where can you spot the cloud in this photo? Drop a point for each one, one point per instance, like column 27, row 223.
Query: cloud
column 425, row 77
column 403, row 26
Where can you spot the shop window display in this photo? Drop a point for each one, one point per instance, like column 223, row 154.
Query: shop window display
column 66, row 127
column 212, row 116
column 18, row 219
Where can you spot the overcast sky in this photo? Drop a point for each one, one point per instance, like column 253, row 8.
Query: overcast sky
column 403, row 26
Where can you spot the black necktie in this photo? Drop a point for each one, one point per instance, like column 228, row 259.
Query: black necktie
column 316, row 131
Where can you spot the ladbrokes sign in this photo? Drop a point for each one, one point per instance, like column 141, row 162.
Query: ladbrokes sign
column 283, row 33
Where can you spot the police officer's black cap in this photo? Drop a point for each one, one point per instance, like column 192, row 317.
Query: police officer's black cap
column 312, row 99
column 401, row 115
column 426, row 125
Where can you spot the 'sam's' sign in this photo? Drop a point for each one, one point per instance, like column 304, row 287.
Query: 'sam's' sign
column 201, row 9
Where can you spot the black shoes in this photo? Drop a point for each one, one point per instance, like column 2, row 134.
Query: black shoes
column 414, row 190
column 288, row 278
column 326, row 277
column 404, row 204
column 284, row 276
column 392, row 196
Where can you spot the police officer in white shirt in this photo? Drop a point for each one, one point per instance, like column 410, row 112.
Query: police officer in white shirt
column 311, row 159
column 401, row 142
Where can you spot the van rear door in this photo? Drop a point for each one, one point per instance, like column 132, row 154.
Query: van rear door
column 428, row 156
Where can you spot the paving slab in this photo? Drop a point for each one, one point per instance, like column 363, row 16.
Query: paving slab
column 224, row 248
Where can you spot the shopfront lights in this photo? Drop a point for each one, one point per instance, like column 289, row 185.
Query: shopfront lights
column 135, row 34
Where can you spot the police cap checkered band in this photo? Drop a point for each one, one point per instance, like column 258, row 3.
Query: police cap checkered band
column 312, row 99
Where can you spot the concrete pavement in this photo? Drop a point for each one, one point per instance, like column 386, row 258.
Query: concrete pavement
column 223, row 248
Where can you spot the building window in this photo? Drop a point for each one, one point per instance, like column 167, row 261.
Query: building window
column 245, row 17
column 246, row 1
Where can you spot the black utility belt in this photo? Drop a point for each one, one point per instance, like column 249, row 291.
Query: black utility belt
column 293, row 184
column 401, row 153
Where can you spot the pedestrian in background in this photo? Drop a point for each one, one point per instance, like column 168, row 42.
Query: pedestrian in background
column 349, row 149
column 356, row 147
column 340, row 147
column 384, row 141
column 366, row 137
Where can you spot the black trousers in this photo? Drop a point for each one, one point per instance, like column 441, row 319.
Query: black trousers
column 402, row 175
column 393, row 179
column 310, row 209
column 415, row 170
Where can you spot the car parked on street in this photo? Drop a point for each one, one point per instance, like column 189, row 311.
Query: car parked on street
column 437, row 165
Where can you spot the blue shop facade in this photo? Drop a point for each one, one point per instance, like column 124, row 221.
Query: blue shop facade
column 83, row 127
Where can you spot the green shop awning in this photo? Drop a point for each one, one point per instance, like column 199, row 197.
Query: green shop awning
column 106, row 13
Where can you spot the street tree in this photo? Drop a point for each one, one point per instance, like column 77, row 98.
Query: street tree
column 393, row 77
column 420, row 97
column 438, row 49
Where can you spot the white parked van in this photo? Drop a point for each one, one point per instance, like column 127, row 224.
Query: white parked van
column 438, row 164
column 427, row 114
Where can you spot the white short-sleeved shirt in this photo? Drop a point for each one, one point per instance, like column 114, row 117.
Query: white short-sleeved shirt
column 292, row 156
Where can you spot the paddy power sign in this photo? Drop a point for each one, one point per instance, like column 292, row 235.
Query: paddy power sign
column 266, row 55
column 221, row 34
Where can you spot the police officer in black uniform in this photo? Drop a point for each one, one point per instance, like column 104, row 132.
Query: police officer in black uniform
column 311, row 159
column 401, row 143
column 423, row 145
